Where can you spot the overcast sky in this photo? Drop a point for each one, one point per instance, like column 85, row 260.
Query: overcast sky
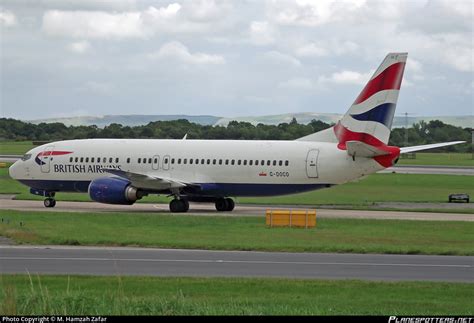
column 229, row 58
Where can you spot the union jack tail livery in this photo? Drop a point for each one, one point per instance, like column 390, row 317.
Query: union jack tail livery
column 370, row 117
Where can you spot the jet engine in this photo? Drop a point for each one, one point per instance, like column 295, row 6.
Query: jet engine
column 114, row 190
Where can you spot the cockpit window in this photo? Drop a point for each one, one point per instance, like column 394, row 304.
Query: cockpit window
column 26, row 157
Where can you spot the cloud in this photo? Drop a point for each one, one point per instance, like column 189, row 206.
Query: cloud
column 311, row 50
column 93, row 24
column 176, row 50
column 261, row 33
column 79, row 47
column 298, row 83
column 7, row 18
column 281, row 59
column 347, row 77
column 102, row 88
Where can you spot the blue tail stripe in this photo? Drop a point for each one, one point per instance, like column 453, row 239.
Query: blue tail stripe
column 382, row 114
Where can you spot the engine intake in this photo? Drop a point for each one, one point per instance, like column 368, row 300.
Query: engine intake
column 113, row 190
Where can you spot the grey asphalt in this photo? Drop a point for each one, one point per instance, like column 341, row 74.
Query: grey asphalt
column 201, row 263
column 207, row 209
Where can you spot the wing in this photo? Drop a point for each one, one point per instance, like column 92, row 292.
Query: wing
column 423, row 147
column 148, row 181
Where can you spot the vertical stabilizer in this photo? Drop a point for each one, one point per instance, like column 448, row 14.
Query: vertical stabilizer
column 370, row 117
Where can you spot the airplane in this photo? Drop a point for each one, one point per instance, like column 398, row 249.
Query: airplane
column 122, row 171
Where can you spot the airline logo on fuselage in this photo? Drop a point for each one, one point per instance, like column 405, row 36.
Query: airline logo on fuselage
column 39, row 159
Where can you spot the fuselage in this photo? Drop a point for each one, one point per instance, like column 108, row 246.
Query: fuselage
column 217, row 167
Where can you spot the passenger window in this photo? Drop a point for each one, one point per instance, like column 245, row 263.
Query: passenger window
column 139, row 160
column 220, row 161
column 185, row 161
column 245, row 162
column 76, row 159
column 82, row 159
column 280, row 163
column 87, row 159
column 70, row 159
column 262, row 163
column 239, row 162
column 110, row 160
column 155, row 161
column 172, row 161
column 92, row 159
column 128, row 160
column 286, row 163
column 190, row 161
column 268, row 163
column 98, row 159
column 256, row 163
column 149, row 160
column 208, row 161
column 196, row 161
column 179, row 161
column 213, row 162
column 274, row 163
column 227, row 162
column 232, row 162
column 116, row 160
column 166, row 161
column 250, row 162
column 202, row 161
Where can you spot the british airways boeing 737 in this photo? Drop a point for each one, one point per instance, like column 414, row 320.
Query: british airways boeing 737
column 122, row 171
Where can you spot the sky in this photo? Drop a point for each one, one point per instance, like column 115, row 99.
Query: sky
column 62, row 58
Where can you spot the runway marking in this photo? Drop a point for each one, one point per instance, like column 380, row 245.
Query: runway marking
column 239, row 261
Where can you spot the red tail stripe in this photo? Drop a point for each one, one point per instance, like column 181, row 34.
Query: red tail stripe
column 344, row 135
column 389, row 79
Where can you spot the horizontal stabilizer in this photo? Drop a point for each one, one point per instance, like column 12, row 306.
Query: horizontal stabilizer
column 411, row 149
column 361, row 149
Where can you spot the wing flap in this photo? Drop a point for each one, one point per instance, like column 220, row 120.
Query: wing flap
column 148, row 181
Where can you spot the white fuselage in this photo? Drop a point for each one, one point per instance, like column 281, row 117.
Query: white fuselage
column 221, row 167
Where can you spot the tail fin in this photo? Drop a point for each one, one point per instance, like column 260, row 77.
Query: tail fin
column 370, row 117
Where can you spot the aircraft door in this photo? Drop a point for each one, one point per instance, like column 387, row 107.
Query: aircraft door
column 45, row 159
column 155, row 164
column 312, row 163
column 166, row 162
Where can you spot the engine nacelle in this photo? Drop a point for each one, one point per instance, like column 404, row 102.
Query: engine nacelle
column 113, row 190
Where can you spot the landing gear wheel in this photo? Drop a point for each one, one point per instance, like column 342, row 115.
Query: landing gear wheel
column 230, row 204
column 179, row 206
column 49, row 202
column 221, row 205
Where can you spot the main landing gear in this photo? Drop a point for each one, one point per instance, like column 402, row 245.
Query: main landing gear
column 49, row 202
column 179, row 206
column 224, row 204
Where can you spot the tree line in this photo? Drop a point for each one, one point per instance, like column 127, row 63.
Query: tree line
column 419, row 134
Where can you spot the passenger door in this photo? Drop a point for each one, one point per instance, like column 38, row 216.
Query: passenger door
column 155, row 164
column 312, row 163
column 45, row 159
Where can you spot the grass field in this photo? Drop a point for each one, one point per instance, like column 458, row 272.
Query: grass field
column 374, row 188
column 15, row 147
column 237, row 233
column 442, row 159
column 87, row 295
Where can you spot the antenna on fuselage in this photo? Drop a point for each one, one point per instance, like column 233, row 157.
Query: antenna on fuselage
column 185, row 136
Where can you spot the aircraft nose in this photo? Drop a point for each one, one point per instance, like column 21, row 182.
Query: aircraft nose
column 14, row 170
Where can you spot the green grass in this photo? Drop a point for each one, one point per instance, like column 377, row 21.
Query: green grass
column 238, row 233
column 15, row 147
column 441, row 159
column 88, row 295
